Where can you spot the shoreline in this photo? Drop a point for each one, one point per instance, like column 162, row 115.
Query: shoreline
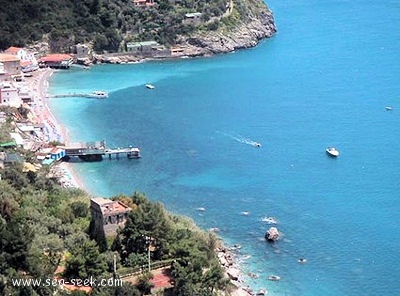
column 69, row 177
column 38, row 86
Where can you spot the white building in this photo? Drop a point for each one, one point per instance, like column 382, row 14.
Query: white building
column 27, row 59
column 9, row 95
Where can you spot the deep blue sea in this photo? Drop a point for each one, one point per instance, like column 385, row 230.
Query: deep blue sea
column 323, row 80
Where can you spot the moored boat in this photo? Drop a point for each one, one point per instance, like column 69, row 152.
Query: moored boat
column 150, row 86
column 133, row 153
column 274, row 278
column 332, row 151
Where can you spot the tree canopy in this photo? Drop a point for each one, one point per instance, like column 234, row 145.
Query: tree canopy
column 106, row 22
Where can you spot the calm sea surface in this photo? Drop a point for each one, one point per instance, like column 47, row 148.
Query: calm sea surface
column 323, row 80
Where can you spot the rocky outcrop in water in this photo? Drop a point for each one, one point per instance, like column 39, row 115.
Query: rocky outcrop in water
column 272, row 234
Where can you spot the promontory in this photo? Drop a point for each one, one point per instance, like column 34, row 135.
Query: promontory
column 135, row 29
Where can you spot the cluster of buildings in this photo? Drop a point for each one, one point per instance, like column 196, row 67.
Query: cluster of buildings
column 17, row 63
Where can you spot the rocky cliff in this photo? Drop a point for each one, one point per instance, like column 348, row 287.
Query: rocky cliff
column 243, row 25
column 242, row 35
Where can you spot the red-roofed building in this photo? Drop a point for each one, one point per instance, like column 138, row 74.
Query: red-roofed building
column 13, row 50
column 28, row 61
column 56, row 60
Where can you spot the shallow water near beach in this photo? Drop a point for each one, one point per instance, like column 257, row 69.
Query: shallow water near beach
column 323, row 80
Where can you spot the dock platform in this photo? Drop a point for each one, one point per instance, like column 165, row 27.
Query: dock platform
column 96, row 150
column 93, row 95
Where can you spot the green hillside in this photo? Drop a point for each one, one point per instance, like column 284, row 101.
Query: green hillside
column 107, row 22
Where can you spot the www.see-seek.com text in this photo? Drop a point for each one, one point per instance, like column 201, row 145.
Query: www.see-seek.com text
column 89, row 282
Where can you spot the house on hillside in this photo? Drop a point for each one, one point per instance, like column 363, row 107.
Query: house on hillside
column 84, row 54
column 7, row 159
column 27, row 59
column 193, row 18
column 10, row 63
column 177, row 51
column 3, row 74
column 108, row 215
column 148, row 49
column 56, row 60
column 143, row 3
column 9, row 95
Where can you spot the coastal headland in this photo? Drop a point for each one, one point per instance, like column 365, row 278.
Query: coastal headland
column 203, row 43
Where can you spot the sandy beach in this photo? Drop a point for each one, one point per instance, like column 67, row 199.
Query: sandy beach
column 37, row 85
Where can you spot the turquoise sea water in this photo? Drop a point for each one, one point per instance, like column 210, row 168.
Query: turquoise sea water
column 323, row 80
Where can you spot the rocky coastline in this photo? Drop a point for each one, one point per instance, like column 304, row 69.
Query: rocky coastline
column 206, row 43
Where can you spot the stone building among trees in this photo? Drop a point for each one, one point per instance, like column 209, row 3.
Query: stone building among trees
column 108, row 215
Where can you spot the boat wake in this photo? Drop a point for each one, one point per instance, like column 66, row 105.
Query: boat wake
column 241, row 139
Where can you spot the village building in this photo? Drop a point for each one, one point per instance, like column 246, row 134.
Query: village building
column 57, row 153
column 9, row 95
column 7, row 159
column 108, row 215
column 193, row 18
column 177, row 51
column 84, row 54
column 10, row 63
column 27, row 59
column 56, row 60
column 148, row 49
column 25, row 96
column 3, row 74
column 17, row 139
column 143, row 3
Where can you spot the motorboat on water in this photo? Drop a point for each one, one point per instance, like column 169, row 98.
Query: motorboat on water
column 332, row 151
column 302, row 260
column 274, row 278
column 270, row 220
column 389, row 108
column 150, row 86
column 98, row 94
column 256, row 144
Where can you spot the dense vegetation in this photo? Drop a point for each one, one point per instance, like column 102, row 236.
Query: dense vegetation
column 107, row 22
column 44, row 226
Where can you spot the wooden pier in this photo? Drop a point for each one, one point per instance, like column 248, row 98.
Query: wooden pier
column 92, row 95
column 95, row 151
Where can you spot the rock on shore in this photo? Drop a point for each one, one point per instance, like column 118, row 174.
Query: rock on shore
column 244, row 35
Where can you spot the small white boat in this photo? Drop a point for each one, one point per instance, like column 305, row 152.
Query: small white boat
column 256, row 144
column 388, row 108
column 98, row 94
column 274, row 278
column 270, row 220
column 150, row 86
column 302, row 260
column 332, row 151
